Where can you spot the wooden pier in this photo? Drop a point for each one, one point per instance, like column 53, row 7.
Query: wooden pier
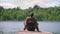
column 31, row 32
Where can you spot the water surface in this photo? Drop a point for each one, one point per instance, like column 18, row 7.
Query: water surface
column 10, row 27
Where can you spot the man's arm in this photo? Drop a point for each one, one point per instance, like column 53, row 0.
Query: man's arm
column 25, row 23
column 36, row 24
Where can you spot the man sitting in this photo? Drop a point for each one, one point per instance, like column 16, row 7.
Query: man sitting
column 31, row 23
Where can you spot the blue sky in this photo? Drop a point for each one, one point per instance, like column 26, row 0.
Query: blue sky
column 23, row 4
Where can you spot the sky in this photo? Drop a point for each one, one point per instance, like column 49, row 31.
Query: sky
column 25, row 4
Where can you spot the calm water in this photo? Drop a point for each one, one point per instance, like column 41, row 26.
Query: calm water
column 10, row 27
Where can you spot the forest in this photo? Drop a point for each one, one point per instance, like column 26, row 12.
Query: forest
column 41, row 14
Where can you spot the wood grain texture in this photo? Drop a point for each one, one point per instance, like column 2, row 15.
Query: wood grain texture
column 31, row 32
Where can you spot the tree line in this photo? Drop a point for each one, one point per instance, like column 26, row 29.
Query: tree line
column 41, row 14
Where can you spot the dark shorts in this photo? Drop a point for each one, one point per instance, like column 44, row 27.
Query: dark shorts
column 31, row 29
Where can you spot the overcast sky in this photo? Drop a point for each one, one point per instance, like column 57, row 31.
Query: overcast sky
column 29, row 3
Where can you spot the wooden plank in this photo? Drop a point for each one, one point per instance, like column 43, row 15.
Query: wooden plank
column 31, row 32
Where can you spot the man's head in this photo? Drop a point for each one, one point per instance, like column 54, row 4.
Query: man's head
column 31, row 14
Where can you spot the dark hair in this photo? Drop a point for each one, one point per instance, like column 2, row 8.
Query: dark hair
column 31, row 14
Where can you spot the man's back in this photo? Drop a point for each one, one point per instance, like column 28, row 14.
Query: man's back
column 30, row 24
column 31, row 19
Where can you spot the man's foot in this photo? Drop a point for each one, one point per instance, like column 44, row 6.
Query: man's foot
column 39, row 31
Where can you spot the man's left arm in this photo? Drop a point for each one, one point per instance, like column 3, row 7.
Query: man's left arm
column 36, row 25
column 25, row 23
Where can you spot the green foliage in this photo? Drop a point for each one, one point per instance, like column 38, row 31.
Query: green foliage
column 42, row 14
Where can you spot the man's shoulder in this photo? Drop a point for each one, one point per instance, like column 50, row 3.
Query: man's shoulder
column 35, row 18
column 28, row 17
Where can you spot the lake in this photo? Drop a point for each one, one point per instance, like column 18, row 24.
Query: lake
column 11, row 27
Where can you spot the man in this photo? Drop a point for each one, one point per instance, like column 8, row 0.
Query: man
column 31, row 23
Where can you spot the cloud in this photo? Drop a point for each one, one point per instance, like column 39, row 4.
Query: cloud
column 42, row 3
column 30, row 3
column 51, row 4
column 8, row 5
